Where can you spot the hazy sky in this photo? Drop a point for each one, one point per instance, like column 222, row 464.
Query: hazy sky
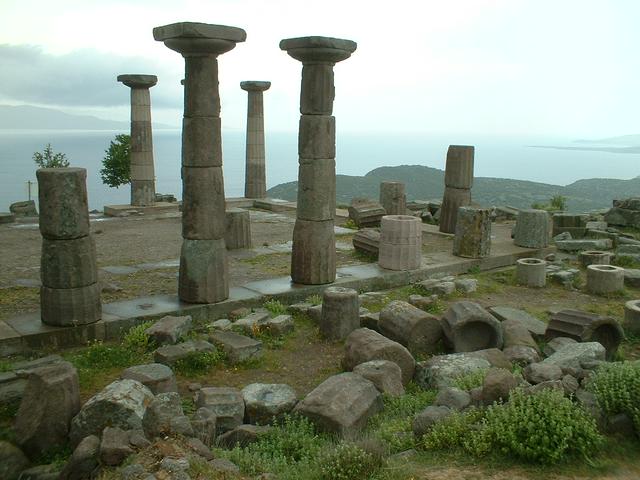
column 565, row 67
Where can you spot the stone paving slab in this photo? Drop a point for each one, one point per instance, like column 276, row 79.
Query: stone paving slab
column 158, row 207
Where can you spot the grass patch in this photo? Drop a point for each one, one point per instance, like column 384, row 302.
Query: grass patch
column 198, row 363
column 277, row 264
column 471, row 380
column 401, row 293
column 275, row 307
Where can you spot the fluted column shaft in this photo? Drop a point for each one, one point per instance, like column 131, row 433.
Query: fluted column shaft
column 255, row 185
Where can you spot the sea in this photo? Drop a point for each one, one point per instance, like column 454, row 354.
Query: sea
column 495, row 156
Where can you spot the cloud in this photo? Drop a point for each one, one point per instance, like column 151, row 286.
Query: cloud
column 81, row 78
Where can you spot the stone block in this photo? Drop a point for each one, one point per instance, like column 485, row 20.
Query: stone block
column 366, row 214
column 317, row 137
column 238, row 229
column 401, row 230
column 70, row 306
column 170, row 354
column 575, row 355
column 203, row 203
column 584, row 244
column 313, row 258
column 532, row 229
column 62, row 196
column 535, row 326
column 68, row 263
column 203, row 276
column 632, row 317
column 417, row 330
column 169, row 329
column 384, row 374
column 265, row 403
column 443, row 370
column 156, row 377
column 238, row 348
column 26, row 208
column 340, row 313
column 280, row 325
column 473, row 233
column 226, row 403
column 317, row 190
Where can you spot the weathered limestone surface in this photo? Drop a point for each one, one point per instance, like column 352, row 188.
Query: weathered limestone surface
column 340, row 313
column 458, row 180
column 203, row 276
column 586, row 327
column 367, row 240
column 632, row 317
column 366, row 213
column 602, row 279
column 169, row 329
column 453, row 199
column 625, row 213
column 226, row 403
column 68, row 263
column 532, row 229
column 400, row 242
column 385, row 375
column 143, row 191
column 238, row 229
column 531, row 272
column 393, row 198
column 469, row 327
column 266, row 402
column 473, row 233
column 313, row 262
column 443, row 370
column 156, row 377
column 255, row 183
column 416, row 329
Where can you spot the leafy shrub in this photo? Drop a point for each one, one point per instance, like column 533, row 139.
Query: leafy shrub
column 48, row 159
column 102, row 356
column 542, row 428
column 136, row 338
column 350, row 224
column 617, row 389
column 275, row 307
column 314, row 299
column 198, row 363
column 470, row 380
column 347, row 462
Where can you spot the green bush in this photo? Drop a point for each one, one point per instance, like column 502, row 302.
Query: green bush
column 347, row 462
column 102, row 356
column 48, row 159
column 275, row 307
column 116, row 165
column 470, row 380
column 136, row 338
column 617, row 389
column 542, row 428
column 198, row 363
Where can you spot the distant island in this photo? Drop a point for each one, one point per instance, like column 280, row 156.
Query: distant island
column 620, row 144
column 426, row 183
column 28, row 117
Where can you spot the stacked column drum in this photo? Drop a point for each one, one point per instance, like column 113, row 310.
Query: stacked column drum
column 400, row 242
column 458, row 180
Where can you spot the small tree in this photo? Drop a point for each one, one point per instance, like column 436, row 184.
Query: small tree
column 48, row 159
column 558, row 202
column 116, row 164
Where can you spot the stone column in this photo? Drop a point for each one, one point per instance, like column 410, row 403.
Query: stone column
column 203, row 274
column 313, row 260
column 458, row 180
column 393, row 198
column 143, row 183
column 70, row 292
column 255, row 182
column 473, row 233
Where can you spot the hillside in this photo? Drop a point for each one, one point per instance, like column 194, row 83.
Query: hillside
column 425, row 183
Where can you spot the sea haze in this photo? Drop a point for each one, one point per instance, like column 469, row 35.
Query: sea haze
column 357, row 154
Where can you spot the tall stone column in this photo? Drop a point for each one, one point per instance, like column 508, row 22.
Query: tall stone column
column 458, row 180
column 313, row 260
column 393, row 198
column 143, row 183
column 203, row 274
column 255, row 182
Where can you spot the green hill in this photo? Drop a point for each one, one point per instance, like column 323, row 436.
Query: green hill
column 426, row 183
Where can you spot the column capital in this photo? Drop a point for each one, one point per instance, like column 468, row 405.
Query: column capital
column 192, row 38
column 136, row 80
column 255, row 85
column 318, row 49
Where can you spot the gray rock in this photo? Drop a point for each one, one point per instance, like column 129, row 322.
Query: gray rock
column 370, row 320
column 466, row 285
column 575, row 354
column 200, row 448
column 266, row 402
column 315, row 313
column 114, row 446
column 137, row 439
column 203, row 424
column 12, row 461
column 242, row 435
column 169, row 329
column 156, row 377
column 495, row 357
column 469, row 327
column 515, row 333
column 51, row 399
column 162, row 414
column 342, row 404
column 120, row 404
column 442, row 370
column 385, row 375
column 222, row 324
column 238, row 348
column 249, row 324
column 632, row 277
column 170, row 354
column 453, row 398
column 522, row 355
column 444, row 288
column 541, row 372
column 83, row 462
column 584, row 244
column 589, row 402
column 417, row 330
column 300, row 308
column 133, row 472
column 497, row 385
column 422, row 302
column 225, row 403
column 569, row 384
column 224, row 465
column 182, row 426
column 425, row 420
column 175, row 468
column 41, row 472
column 535, row 326
column 556, row 344
column 548, row 385
column 26, row 208
column 363, row 345
column 280, row 325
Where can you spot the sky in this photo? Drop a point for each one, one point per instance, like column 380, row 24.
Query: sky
column 496, row 67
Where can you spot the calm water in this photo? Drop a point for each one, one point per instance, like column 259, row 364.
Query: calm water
column 506, row 157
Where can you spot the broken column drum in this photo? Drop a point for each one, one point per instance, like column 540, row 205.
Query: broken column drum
column 531, row 272
column 393, row 198
column 458, row 180
column 595, row 257
column 400, row 242
column 255, row 183
column 469, row 327
column 238, row 229
column 70, row 292
column 632, row 317
column 313, row 259
column 604, row 279
column 143, row 186
column 203, row 276
column 340, row 313
column 473, row 233
column 532, row 229
column 586, row 327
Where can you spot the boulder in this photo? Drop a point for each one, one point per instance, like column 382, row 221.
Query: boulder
column 417, row 330
column 342, row 404
column 522, row 355
column 83, row 462
column 363, row 345
column 469, row 327
column 12, row 461
column 164, row 415
column 169, row 329
column 156, row 377
column 466, row 285
column 120, row 404
column 535, row 326
column 280, row 325
column 251, row 323
column 227, row 404
column 26, row 208
column 238, row 348
column 203, row 424
column 556, row 344
column 442, row 370
column 51, row 399
column 266, row 402
column 540, row 372
column 574, row 355
column 453, row 398
column 425, row 420
column 495, row 357
column 242, row 436
column 515, row 333
column 385, row 375
column 497, row 385
column 114, row 446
